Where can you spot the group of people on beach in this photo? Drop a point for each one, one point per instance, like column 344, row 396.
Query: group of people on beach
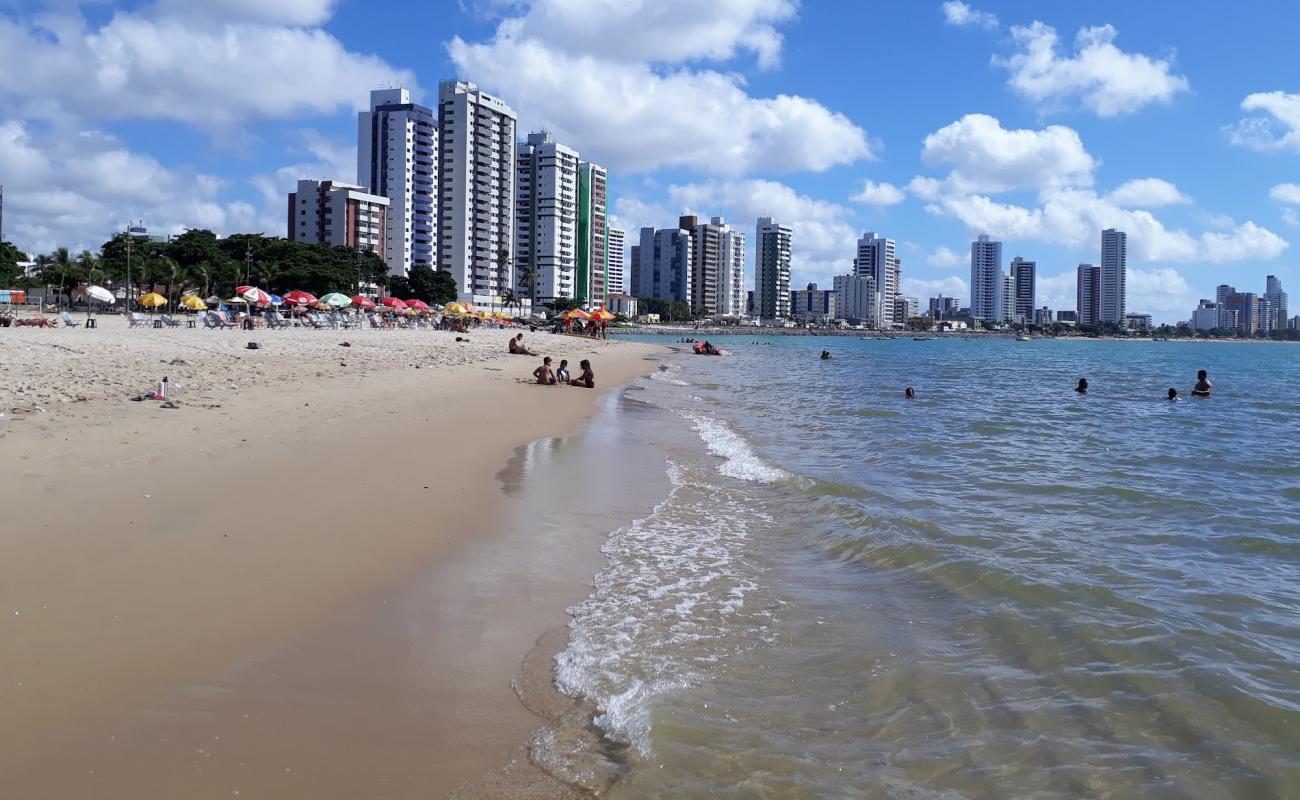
column 1201, row 389
column 546, row 375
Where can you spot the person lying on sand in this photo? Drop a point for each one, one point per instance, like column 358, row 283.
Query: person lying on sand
column 586, row 378
column 544, row 374
column 517, row 347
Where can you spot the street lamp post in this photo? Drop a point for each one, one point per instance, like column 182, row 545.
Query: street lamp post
column 127, row 300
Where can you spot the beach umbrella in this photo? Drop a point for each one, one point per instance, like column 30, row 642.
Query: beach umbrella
column 153, row 300
column 101, row 294
column 576, row 313
column 393, row 302
column 602, row 314
column 253, row 295
column 299, row 298
column 277, row 300
column 454, row 310
column 193, row 303
column 418, row 305
column 361, row 301
column 336, row 300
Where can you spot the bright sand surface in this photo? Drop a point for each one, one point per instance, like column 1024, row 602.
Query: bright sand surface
column 295, row 585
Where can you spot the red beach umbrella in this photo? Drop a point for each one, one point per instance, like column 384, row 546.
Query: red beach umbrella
column 393, row 302
column 253, row 295
column 297, row 298
column 418, row 305
column 361, row 301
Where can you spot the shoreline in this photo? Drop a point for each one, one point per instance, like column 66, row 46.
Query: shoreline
column 168, row 580
column 743, row 330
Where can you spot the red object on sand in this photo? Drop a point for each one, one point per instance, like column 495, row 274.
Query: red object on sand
column 361, row 301
column 298, row 298
column 393, row 302
column 418, row 305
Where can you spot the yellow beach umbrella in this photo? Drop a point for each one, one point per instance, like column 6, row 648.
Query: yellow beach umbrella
column 153, row 300
column 193, row 303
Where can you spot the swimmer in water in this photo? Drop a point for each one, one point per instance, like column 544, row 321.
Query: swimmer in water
column 1173, row 394
column 1082, row 388
column 826, row 355
column 910, row 394
column 1203, row 384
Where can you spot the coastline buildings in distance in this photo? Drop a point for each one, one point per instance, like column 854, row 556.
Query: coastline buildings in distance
column 1245, row 313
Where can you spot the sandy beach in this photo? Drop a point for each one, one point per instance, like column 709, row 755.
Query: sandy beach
column 298, row 583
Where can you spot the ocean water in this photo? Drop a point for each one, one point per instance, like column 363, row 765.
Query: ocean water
column 1000, row 589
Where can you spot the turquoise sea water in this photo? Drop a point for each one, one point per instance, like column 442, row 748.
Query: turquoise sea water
column 999, row 589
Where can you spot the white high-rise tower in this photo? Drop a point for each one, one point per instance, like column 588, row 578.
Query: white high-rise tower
column 877, row 259
column 546, row 218
column 476, row 191
column 397, row 158
column 731, row 274
column 1114, row 276
column 986, row 280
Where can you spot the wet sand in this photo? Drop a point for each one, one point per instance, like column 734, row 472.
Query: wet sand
column 314, row 590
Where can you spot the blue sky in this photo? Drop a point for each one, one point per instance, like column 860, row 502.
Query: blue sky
column 1037, row 123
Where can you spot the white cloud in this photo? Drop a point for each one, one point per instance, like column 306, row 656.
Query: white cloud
column 879, row 194
column 1278, row 130
column 1148, row 193
column 666, row 31
column 1286, row 193
column 73, row 187
column 824, row 238
column 1161, row 291
column 944, row 257
column 986, row 157
column 286, row 12
column 958, row 13
column 331, row 161
column 634, row 115
column 951, row 286
column 1291, row 217
column 1075, row 217
column 1107, row 80
column 205, row 73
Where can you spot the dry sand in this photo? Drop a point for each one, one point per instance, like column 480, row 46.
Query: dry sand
column 229, row 598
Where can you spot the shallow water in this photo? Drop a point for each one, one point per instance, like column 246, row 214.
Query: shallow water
column 999, row 589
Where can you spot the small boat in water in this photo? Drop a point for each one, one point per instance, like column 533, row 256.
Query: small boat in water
column 1024, row 339
column 922, row 338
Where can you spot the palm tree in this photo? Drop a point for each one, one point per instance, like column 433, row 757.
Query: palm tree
column 528, row 279
column 63, row 260
column 509, row 299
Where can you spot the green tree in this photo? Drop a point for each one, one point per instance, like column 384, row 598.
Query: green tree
column 10, row 256
column 430, row 285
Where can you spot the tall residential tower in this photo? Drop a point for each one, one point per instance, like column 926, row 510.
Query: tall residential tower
column 1023, row 273
column 986, row 280
column 397, row 158
column 593, row 233
column 1114, row 276
column 772, row 270
column 877, row 259
column 546, row 219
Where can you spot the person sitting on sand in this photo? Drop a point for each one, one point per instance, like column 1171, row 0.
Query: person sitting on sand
column 562, row 374
column 1173, row 394
column 1082, row 388
column 544, row 374
column 1203, row 384
column 517, row 347
column 586, row 378
column 910, row 393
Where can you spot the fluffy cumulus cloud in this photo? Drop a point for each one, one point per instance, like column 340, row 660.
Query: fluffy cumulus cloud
column 922, row 289
column 1148, row 193
column 77, row 185
column 640, row 109
column 824, row 236
column 1286, row 193
column 987, row 160
column 1104, row 78
column 1160, row 291
column 1277, row 128
column 879, row 194
column 958, row 13
column 213, row 66
column 986, row 157
column 665, row 31
column 943, row 256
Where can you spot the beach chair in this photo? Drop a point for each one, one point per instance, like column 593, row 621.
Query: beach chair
column 272, row 319
column 67, row 320
column 138, row 320
column 222, row 319
column 208, row 322
column 169, row 322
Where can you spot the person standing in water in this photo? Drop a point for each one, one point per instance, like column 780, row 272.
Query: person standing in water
column 1203, row 385
column 1082, row 388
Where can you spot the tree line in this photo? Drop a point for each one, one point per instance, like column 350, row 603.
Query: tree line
column 200, row 262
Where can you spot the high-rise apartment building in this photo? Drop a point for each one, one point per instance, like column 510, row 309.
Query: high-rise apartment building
column 1024, row 274
column 1277, row 299
column 476, row 191
column 856, row 298
column 986, row 280
column 812, row 305
column 1221, row 294
column 1114, row 276
column 546, row 218
column 877, row 258
column 944, row 307
column 1205, row 316
column 731, row 263
column 329, row 212
column 906, row 308
column 1009, row 297
column 662, row 266
column 593, row 233
column 772, row 269
column 1088, row 298
column 616, row 269
column 397, row 158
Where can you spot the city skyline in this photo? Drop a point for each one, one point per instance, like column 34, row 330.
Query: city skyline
column 1041, row 126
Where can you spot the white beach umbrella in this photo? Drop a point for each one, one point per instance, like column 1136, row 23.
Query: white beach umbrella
column 101, row 294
